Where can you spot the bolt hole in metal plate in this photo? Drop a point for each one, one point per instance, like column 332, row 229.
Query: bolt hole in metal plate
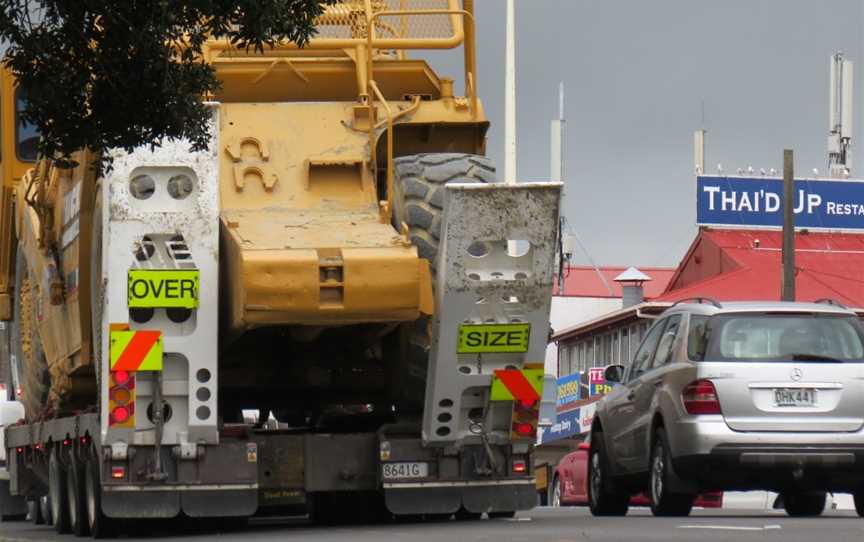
column 203, row 375
column 142, row 187
column 446, row 403
column 180, row 186
column 478, row 249
column 167, row 412
column 203, row 394
column 521, row 247
column 202, row 413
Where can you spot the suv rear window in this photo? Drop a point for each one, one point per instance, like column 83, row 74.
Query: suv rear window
column 775, row 337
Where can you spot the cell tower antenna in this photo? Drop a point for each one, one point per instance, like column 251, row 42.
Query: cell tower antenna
column 840, row 117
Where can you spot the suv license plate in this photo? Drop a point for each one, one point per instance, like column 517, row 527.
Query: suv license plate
column 394, row 471
column 795, row 397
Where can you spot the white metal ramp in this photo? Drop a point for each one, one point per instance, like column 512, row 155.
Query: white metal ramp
column 492, row 306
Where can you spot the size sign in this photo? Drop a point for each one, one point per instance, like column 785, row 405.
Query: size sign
column 163, row 288
column 493, row 338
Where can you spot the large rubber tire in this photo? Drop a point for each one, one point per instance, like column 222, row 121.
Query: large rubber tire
column 101, row 526
column 34, row 513
column 603, row 498
column 804, row 504
column 507, row 514
column 44, row 504
column 57, row 492
column 555, row 493
column 464, row 515
column 859, row 502
column 663, row 501
column 26, row 343
column 75, row 498
column 418, row 202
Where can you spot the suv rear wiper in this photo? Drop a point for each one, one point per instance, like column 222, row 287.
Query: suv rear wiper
column 815, row 357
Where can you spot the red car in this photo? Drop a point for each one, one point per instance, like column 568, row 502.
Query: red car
column 570, row 484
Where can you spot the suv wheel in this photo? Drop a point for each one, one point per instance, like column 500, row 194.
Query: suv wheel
column 555, row 500
column 663, row 501
column 859, row 502
column 800, row 504
column 602, row 499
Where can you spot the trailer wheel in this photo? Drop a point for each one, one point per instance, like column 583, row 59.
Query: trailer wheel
column 26, row 343
column 44, row 505
column 464, row 515
column 418, row 201
column 101, row 526
column 75, row 497
column 57, row 492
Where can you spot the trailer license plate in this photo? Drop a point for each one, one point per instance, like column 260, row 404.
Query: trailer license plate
column 393, row 471
column 493, row 338
column 163, row 288
column 795, row 397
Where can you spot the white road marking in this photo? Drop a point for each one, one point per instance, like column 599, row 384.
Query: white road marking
column 730, row 527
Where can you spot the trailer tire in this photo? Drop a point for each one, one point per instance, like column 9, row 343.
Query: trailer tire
column 464, row 515
column 78, row 523
column 44, row 505
column 57, row 492
column 418, row 202
column 26, row 343
column 101, row 526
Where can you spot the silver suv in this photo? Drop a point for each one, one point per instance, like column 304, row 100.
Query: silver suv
column 735, row 396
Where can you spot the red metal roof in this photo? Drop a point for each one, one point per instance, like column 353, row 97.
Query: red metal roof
column 828, row 265
column 584, row 281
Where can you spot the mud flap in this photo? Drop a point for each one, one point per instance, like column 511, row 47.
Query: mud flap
column 505, row 498
column 432, row 500
column 222, row 503
column 141, row 504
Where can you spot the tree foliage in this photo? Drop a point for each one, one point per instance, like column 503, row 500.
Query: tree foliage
column 124, row 73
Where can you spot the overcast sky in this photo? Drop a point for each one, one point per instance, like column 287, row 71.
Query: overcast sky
column 636, row 74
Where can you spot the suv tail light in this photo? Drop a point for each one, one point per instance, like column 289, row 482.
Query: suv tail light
column 700, row 397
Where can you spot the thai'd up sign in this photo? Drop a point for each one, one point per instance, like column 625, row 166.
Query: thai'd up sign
column 742, row 201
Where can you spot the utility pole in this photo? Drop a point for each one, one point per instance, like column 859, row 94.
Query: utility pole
column 788, row 285
column 510, row 107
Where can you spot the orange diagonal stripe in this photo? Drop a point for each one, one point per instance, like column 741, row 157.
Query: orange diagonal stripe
column 136, row 350
column 518, row 385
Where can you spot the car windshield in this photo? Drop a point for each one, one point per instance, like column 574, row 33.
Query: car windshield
column 776, row 337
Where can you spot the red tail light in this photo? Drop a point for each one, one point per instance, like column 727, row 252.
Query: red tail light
column 524, row 429
column 120, row 415
column 121, row 377
column 700, row 397
column 519, row 466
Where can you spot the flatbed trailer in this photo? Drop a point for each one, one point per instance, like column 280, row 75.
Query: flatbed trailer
column 263, row 471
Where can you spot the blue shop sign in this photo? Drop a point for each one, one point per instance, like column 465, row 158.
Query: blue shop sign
column 743, row 201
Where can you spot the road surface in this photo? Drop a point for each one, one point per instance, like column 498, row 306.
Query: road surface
column 540, row 525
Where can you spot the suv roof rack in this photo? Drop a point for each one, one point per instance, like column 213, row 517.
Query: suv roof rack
column 829, row 301
column 699, row 300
